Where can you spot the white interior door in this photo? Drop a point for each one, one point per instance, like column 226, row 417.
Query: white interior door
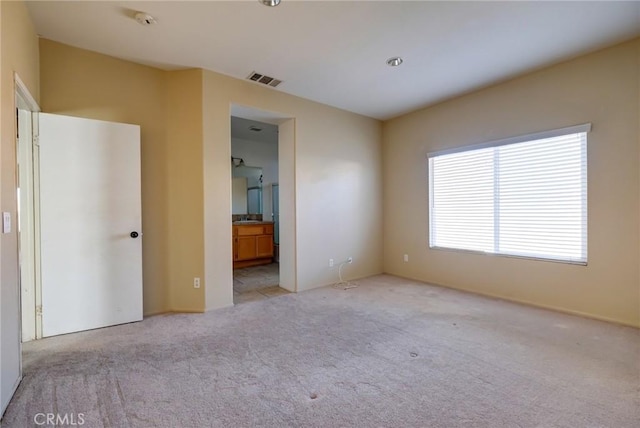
column 90, row 207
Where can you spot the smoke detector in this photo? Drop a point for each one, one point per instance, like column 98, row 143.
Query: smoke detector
column 144, row 18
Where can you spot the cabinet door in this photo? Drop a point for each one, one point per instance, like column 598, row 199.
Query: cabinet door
column 264, row 245
column 246, row 248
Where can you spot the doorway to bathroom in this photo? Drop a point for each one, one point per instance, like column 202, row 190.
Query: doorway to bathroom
column 255, row 210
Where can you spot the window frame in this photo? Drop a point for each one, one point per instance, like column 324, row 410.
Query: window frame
column 583, row 128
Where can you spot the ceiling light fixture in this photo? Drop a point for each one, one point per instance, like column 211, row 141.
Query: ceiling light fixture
column 394, row 62
column 237, row 161
column 270, row 3
column 144, row 18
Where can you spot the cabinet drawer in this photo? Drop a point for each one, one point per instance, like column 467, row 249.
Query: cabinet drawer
column 258, row 229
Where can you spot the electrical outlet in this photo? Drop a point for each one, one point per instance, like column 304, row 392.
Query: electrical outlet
column 196, row 282
column 406, row 258
column 330, row 262
column 350, row 260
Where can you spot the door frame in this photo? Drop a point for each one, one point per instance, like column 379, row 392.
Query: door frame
column 287, row 257
column 12, row 342
column 28, row 242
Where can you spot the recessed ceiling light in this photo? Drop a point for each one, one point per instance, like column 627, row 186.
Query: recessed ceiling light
column 270, row 3
column 395, row 61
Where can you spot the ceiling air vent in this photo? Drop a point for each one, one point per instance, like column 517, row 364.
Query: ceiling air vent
column 265, row 80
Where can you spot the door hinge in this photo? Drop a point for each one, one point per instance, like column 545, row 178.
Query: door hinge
column 39, row 310
column 36, row 140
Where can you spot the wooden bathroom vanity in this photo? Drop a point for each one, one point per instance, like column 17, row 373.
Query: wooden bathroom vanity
column 252, row 243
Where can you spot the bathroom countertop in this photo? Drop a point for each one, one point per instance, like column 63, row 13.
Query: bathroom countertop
column 250, row 222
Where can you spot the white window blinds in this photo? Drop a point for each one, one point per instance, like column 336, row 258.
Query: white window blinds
column 524, row 196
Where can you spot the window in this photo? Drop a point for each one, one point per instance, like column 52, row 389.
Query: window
column 524, row 196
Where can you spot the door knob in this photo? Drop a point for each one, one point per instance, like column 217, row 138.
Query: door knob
column 133, row 234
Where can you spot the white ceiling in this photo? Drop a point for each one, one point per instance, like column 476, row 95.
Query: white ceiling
column 240, row 130
column 334, row 52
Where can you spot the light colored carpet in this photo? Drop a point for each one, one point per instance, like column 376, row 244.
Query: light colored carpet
column 390, row 353
column 259, row 294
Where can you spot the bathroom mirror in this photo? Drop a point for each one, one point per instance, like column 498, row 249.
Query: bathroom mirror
column 246, row 189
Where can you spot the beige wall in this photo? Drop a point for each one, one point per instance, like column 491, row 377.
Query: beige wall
column 335, row 158
column 19, row 53
column 77, row 82
column 331, row 159
column 185, row 183
column 601, row 88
